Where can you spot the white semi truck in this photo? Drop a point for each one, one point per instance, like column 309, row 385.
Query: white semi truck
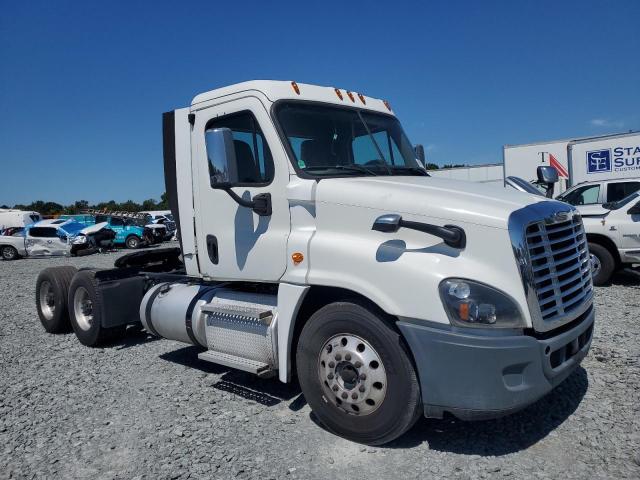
column 314, row 245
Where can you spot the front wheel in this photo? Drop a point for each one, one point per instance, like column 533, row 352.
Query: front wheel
column 9, row 253
column 132, row 242
column 357, row 375
column 602, row 264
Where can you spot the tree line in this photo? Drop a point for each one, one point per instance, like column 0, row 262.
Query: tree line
column 53, row 208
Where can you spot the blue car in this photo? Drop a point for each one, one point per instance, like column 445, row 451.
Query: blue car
column 130, row 232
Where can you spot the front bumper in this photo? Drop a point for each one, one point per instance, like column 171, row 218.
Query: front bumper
column 475, row 376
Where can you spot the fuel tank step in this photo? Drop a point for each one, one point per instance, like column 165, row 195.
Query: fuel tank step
column 245, row 364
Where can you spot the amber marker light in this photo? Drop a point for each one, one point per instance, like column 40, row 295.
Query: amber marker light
column 387, row 104
column 297, row 258
column 338, row 93
column 464, row 311
column 295, row 87
column 361, row 97
column 350, row 95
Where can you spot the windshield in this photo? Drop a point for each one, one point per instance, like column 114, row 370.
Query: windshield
column 621, row 203
column 337, row 141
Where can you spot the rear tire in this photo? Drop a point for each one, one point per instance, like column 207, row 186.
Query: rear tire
column 52, row 288
column 9, row 253
column 357, row 375
column 603, row 265
column 85, row 311
column 132, row 242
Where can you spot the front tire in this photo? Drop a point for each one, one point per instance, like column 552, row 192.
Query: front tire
column 9, row 253
column 52, row 287
column 132, row 242
column 357, row 375
column 85, row 311
column 602, row 264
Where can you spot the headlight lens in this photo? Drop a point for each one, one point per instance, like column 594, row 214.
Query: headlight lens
column 473, row 304
column 80, row 239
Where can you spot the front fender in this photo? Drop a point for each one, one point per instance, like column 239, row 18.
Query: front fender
column 401, row 271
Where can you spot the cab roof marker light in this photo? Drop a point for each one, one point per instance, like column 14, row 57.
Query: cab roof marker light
column 338, row 93
column 295, row 87
column 387, row 104
column 361, row 97
column 350, row 95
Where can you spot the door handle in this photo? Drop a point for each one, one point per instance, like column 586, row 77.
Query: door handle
column 212, row 248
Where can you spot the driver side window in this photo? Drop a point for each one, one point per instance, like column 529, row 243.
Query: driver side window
column 254, row 162
column 587, row 195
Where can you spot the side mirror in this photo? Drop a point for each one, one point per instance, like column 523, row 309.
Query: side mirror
column 223, row 170
column 635, row 210
column 548, row 176
column 419, row 149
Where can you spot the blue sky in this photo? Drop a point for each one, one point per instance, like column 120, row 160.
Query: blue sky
column 83, row 84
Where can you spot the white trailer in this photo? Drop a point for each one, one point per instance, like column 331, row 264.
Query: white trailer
column 314, row 245
column 607, row 157
column 612, row 157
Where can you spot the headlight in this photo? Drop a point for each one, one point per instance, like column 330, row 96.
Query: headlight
column 473, row 304
column 80, row 239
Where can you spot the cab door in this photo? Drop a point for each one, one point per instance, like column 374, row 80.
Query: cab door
column 234, row 242
column 46, row 241
column 629, row 226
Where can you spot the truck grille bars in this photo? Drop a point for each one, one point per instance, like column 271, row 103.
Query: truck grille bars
column 550, row 246
column 560, row 265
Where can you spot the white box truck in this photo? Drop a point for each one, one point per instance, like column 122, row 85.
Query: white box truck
column 314, row 245
column 11, row 218
column 607, row 157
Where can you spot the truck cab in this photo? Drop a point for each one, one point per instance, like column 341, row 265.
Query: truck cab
column 314, row 245
column 589, row 196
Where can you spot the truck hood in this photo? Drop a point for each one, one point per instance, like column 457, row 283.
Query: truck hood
column 445, row 199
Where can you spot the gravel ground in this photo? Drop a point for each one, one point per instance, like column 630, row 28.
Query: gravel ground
column 147, row 408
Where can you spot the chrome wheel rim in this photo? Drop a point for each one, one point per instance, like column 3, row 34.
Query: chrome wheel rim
column 47, row 300
column 596, row 265
column 83, row 308
column 352, row 374
column 8, row 253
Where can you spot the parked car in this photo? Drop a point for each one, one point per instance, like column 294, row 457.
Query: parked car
column 162, row 217
column 613, row 236
column 55, row 237
column 130, row 232
column 589, row 196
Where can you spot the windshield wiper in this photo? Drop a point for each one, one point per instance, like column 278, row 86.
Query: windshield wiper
column 404, row 168
column 351, row 168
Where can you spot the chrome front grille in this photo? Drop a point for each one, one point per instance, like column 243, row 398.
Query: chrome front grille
column 561, row 271
column 550, row 247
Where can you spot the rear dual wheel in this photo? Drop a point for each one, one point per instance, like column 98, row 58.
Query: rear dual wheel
column 52, row 287
column 85, row 311
column 357, row 375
